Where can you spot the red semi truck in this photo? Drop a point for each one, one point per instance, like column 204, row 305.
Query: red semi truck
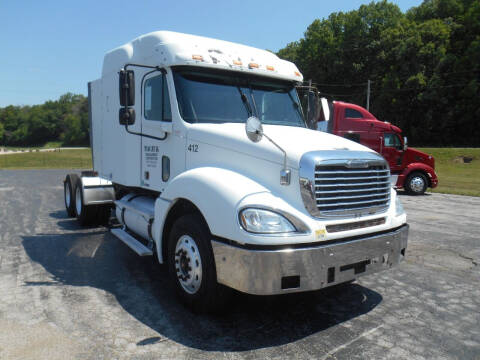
column 411, row 169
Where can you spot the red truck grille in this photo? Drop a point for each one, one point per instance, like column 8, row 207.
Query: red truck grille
column 340, row 189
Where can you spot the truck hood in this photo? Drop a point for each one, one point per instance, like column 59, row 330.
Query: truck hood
column 413, row 155
column 296, row 141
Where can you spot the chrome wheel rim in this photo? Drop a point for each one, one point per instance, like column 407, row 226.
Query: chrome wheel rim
column 67, row 194
column 78, row 201
column 188, row 264
column 417, row 184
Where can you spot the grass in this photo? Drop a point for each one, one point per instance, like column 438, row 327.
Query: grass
column 455, row 176
column 62, row 159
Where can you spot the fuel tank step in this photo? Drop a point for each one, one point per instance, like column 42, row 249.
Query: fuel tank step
column 131, row 242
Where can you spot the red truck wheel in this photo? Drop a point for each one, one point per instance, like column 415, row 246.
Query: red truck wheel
column 416, row 183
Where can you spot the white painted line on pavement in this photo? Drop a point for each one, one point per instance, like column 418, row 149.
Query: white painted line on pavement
column 343, row 346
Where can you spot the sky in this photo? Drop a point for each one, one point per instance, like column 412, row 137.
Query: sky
column 51, row 47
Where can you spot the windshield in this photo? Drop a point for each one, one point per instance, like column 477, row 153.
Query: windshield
column 212, row 96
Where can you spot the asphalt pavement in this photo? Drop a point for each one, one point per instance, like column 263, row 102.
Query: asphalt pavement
column 68, row 292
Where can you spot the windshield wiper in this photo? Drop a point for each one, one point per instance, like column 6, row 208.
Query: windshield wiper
column 245, row 101
column 253, row 99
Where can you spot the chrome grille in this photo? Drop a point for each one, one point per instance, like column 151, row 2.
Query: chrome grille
column 355, row 225
column 340, row 189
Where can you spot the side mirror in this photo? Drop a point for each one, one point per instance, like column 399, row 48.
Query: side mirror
column 254, row 129
column 126, row 116
column 405, row 143
column 126, row 87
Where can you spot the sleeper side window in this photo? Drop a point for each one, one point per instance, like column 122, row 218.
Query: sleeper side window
column 156, row 104
column 353, row 114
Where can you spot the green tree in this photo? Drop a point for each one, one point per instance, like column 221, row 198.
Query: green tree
column 423, row 64
column 64, row 119
column 2, row 131
column 75, row 133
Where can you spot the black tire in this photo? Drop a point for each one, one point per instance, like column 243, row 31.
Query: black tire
column 69, row 194
column 416, row 183
column 204, row 295
column 86, row 214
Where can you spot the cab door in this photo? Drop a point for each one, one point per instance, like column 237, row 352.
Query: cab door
column 393, row 151
column 156, row 153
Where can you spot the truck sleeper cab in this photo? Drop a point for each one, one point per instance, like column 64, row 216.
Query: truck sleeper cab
column 201, row 147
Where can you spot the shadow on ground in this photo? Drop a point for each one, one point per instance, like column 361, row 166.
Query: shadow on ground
column 97, row 259
column 66, row 223
column 402, row 192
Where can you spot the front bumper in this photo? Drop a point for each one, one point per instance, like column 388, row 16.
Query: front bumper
column 268, row 272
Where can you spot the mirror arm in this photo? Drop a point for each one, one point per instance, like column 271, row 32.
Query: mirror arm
column 279, row 148
column 158, row 68
column 147, row 136
column 285, row 173
column 253, row 128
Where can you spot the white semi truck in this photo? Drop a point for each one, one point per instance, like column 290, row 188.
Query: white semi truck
column 201, row 148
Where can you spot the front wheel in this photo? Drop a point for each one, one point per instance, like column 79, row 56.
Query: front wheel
column 191, row 265
column 416, row 183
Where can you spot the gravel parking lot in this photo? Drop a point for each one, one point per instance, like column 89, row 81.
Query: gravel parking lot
column 70, row 292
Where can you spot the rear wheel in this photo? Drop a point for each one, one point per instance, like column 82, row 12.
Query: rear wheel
column 191, row 265
column 69, row 193
column 85, row 213
column 416, row 183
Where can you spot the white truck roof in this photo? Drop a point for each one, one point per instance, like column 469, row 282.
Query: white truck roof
column 167, row 48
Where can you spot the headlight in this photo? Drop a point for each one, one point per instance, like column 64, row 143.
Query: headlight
column 265, row 222
column 398, row 207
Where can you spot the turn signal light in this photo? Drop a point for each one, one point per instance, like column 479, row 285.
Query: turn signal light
column 253, row 65
column 271, row 68
column 197, row 57
column 237, row 62
column 297, row 73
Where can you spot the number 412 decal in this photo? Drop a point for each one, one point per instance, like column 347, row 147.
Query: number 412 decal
column 193, row 148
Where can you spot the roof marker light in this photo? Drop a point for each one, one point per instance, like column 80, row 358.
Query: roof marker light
column 253, row 65
column 271, row 68
column 197, row 57
column 237, row 62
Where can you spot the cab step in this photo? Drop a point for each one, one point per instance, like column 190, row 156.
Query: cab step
column 131, row 242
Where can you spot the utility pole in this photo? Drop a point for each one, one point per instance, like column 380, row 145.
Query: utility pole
column 368, row 95
column 308, row 96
